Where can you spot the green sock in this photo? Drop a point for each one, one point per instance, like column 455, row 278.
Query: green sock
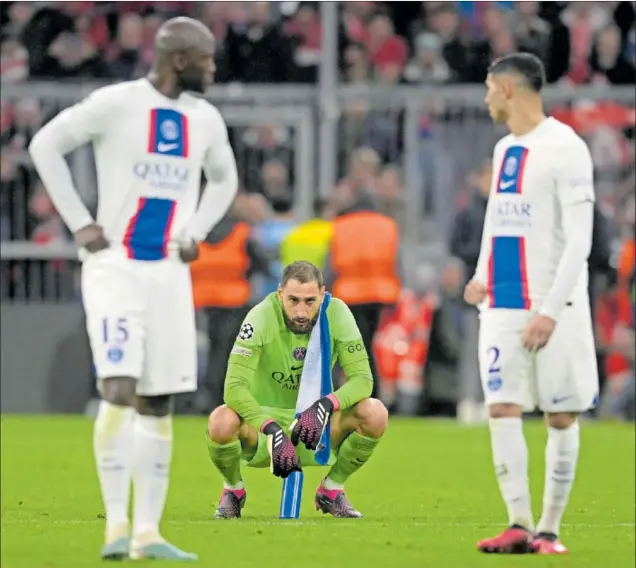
column 352, row 455
column 227, row 459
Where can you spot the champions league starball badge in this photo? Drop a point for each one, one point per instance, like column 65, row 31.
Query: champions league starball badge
column 247, row 331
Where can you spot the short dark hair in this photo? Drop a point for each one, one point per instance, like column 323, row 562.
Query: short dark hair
column 303, row 271
column 281, row 202
column 526, row 65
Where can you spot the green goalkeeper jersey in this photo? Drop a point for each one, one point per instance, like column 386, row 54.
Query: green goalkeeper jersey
column 266, row 363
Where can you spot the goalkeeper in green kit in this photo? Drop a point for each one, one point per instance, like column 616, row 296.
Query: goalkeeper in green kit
column 257, row 425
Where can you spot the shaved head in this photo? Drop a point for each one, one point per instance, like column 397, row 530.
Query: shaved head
column 185, row 51
column 183, row 34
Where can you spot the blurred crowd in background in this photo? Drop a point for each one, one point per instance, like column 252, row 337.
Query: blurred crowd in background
column 417, row 339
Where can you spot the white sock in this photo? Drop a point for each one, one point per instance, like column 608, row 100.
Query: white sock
column 331, row 485
column 112, row 446
column 240, row 485
column 510, row 457
column 151, row 471
column 561, row 455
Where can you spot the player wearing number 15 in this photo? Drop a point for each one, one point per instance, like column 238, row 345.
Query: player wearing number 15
column 536, row 346
column 268, row 373
column 151, row 140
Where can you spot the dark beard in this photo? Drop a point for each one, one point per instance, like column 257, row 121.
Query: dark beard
column 293, row 327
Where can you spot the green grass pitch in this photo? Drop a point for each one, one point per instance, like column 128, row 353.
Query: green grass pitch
column 428, row 494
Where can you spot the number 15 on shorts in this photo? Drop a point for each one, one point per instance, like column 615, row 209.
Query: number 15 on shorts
column 115, row 335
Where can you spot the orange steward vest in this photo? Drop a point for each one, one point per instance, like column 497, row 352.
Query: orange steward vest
column 364, row 254
column 218, row 275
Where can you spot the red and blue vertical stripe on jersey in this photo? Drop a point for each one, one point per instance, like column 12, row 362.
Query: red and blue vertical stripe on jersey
column 507, row 268
column 168, row 134
column 148, row 232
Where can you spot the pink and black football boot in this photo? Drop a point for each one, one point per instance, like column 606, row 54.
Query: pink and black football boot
column 335, row 502
column 514, row 540
column 547, row 543
column 230, row 504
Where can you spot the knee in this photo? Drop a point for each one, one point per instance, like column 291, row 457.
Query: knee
column 223, row 425
column 119, row 391
column 504, row 411
column 373, row 417
column 157, row 406
column 561, row 420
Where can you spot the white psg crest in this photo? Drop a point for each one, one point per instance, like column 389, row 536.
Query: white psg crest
column 510, row 167
column 169, row 129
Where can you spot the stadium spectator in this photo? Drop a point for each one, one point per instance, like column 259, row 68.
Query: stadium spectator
column 607, row 62
column 441, row 387
column 126, row 56
column 270, row 234
column 498, row 41
column 428, row 64
column 355, row 18
column 386, row 49
column 305, row 30
column 275, row 180
column 14, row 61
column 258, row 52
column 531, row 33
column 465, row 242
column 357, row 66
column 362, row 175
column 583, row 21
column 260, row 143
column 389, row 195
column 445, row 22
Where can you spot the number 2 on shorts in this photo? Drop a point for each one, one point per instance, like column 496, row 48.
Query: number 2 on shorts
column 493, row 367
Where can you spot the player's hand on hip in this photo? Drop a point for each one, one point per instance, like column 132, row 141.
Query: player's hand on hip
column 310, row 425
column 538, row 332
column 92, row 238
column 475, row 292
column 283, row 458
column 189, row 252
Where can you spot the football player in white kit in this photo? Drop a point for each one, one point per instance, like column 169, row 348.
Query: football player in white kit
column 151, row 141
column 536, row 344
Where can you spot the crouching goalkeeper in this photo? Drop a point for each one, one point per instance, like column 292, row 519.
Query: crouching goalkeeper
column 261, row 389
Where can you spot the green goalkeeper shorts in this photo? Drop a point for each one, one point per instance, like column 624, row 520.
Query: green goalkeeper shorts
column 260, row 457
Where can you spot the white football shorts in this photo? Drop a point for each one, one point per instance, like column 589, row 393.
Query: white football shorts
column 561, row 377
column 140, row 320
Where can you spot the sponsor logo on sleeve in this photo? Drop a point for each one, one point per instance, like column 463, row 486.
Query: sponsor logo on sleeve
column 241, row 351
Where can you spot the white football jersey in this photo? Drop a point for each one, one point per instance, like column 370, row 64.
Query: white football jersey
column 149, row 151
column 534, row 177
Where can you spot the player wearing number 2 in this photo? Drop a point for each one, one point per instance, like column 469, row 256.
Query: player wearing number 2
column 256, row 425
column 151, row 141
column 536, row 346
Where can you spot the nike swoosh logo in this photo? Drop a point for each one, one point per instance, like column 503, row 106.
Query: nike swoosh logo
column 560, row 399
column 506, row 184
column 166, row 147
column 297, row 367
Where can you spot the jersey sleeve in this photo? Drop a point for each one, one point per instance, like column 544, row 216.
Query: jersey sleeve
column 73, row 127
column 574, row 183
column 87, row 120
column 242, row 367
column 352, row 356
column 481, row 271
column 574, row 175
column 220, row 170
